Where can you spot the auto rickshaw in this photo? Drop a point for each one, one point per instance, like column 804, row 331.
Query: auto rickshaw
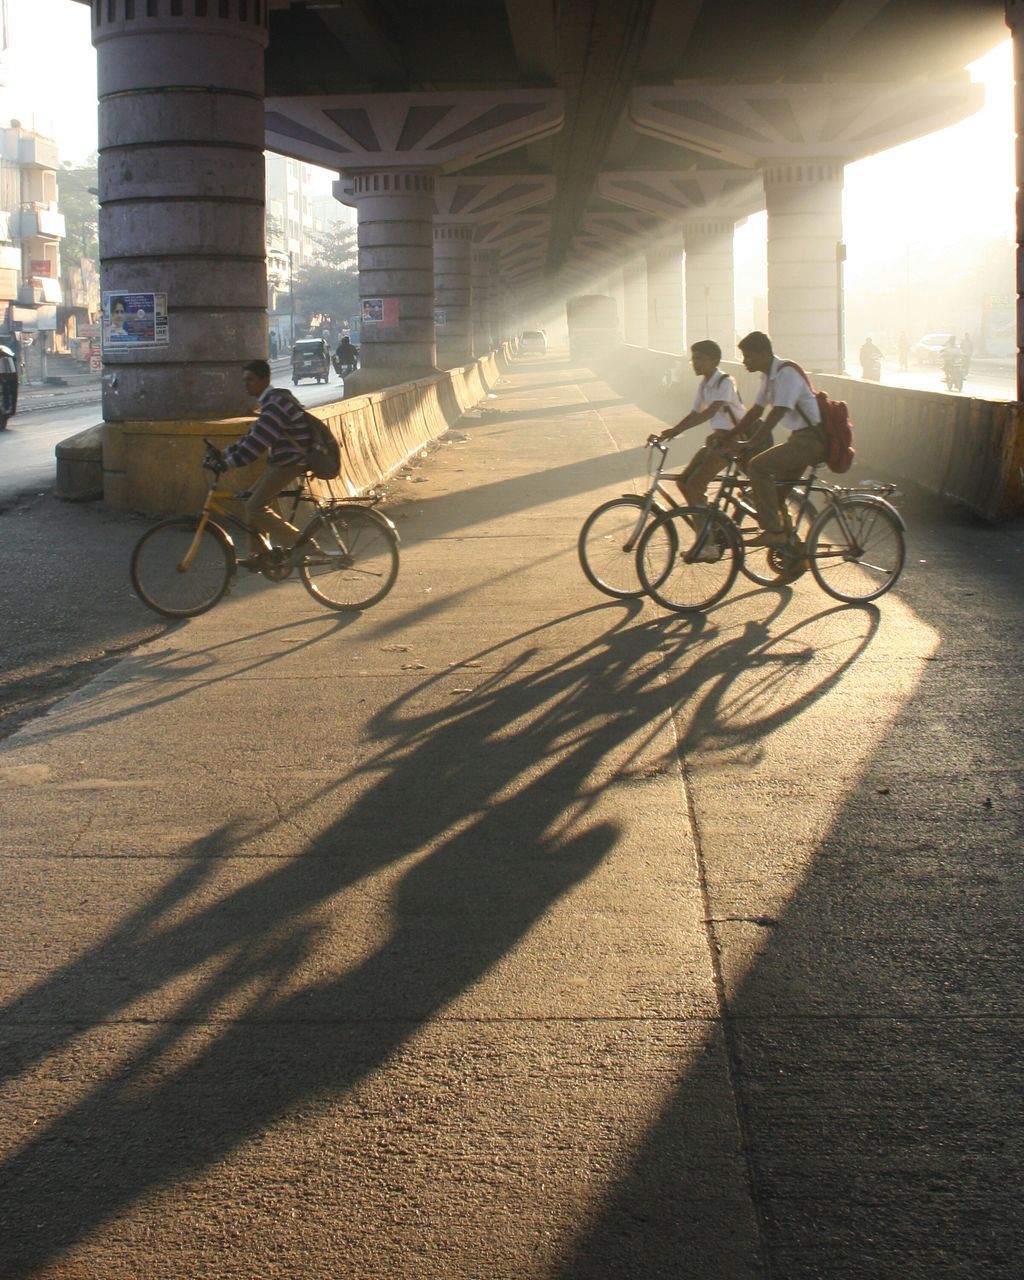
column 8, row 385
column 311, row 358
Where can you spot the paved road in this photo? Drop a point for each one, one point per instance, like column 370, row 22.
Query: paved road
column 510, row 931
column 988, row 380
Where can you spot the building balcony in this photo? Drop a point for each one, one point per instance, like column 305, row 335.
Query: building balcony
column 37, row 153
column 28, row 222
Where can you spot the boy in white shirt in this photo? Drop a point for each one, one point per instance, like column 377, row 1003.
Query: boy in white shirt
column 717, row 401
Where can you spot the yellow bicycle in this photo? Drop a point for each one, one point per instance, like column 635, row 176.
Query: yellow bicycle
column 346, row 555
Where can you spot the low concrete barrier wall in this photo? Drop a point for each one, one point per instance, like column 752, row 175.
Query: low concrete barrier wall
column 154, row 467
column 963, row 448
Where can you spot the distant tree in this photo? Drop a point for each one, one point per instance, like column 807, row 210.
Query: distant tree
column 80, row 208
column 329, row 284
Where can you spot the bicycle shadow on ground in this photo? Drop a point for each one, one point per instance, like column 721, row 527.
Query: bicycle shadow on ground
column 483, row 815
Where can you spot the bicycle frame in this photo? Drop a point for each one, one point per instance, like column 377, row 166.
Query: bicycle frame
column 217, row 497
column 654, row 489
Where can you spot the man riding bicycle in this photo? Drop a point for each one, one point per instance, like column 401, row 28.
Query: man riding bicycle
column 792, row 405
column 279, row 431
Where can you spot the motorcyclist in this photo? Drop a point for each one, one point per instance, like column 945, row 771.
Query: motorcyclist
column 953, row 364
column 346, row 356
column 870, row 361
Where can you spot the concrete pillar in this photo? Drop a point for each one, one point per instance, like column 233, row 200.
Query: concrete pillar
column 395, row 208
column 453, row 290
column 181, row 183
column 665, row 297
column 805, row 224
column 634, row 303
column 484, row 264
column 710, row 302
column 1015, row 21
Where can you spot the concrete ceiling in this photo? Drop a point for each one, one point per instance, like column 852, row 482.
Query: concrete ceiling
column 595, row 52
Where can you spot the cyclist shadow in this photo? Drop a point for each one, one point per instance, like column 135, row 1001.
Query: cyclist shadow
column 474, row 818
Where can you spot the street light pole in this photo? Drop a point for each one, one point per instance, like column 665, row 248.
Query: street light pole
column 291, row 300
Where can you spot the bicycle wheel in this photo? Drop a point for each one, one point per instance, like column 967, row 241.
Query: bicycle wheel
column 765, row 566
column 164, row 585
column 857, row 549
column 701, row 568
column 607, row 546
column 353, row 562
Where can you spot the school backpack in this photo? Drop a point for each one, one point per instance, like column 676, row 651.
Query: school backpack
column 835, row 418
column 323, row 457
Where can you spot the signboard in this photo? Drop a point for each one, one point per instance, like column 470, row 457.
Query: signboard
column 440, row 317
column 41, row 267
column 135, row 320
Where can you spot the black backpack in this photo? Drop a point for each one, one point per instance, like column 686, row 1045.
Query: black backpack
column 323, row 457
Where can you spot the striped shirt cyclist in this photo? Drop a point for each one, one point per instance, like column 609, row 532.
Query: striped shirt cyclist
column 279, row 429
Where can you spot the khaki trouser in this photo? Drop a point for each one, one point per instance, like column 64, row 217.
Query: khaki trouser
column 786, row 461
column 702, row 468
column 257, row 507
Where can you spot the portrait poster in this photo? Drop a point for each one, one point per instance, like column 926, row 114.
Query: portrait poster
column 134, row 320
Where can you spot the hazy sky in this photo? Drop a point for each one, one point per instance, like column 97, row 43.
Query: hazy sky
column 928, row 193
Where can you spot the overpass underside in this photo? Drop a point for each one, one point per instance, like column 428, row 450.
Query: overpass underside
column 501, row 158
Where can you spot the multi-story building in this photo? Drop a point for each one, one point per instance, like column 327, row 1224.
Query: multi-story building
column 295, row 217
column 31, row 229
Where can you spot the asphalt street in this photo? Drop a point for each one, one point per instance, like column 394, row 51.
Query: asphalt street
column 508, row 930
column 49, row 414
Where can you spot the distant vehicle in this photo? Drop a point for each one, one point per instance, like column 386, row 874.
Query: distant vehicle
column 928, row 350
column 954, row 370
column 8, row 385
column 533, row 342
column 311, row 359
column 593, row 322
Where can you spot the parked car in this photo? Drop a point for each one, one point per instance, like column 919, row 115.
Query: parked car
column 928, row 350
column 532, row 342
column 311, row 358
column 8, row 385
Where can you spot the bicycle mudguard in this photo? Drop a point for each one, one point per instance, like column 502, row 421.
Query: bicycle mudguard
column 875, row 501
column 370, row 511
column 217, row 529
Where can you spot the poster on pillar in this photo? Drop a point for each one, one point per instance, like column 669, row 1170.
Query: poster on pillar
column 380, row 311
column 440, row 317
column 136, row 318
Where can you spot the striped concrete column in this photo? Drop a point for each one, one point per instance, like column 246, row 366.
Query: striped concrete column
column 665, row 297
column 710, row 302
column 1015, row 21
column 634, row 303
column 181, row 183
column 805, row 224
column 395, row 209
column 453, row 292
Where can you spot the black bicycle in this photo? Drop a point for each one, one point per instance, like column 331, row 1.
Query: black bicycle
column 608, row 540
column 851, row 539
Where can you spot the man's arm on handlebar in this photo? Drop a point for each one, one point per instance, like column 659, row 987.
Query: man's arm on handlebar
column 693, row 419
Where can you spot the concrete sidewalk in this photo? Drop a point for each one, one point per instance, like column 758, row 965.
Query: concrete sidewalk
column 510, row 931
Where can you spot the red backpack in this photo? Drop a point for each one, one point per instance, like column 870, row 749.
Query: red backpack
column 835, row 418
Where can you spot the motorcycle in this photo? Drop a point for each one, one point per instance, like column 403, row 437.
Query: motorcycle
column 953, row 371
column 343, row 366
column 871, row 368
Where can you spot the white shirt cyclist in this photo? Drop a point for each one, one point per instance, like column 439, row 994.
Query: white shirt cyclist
column 719, row 386
column 787, row 389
